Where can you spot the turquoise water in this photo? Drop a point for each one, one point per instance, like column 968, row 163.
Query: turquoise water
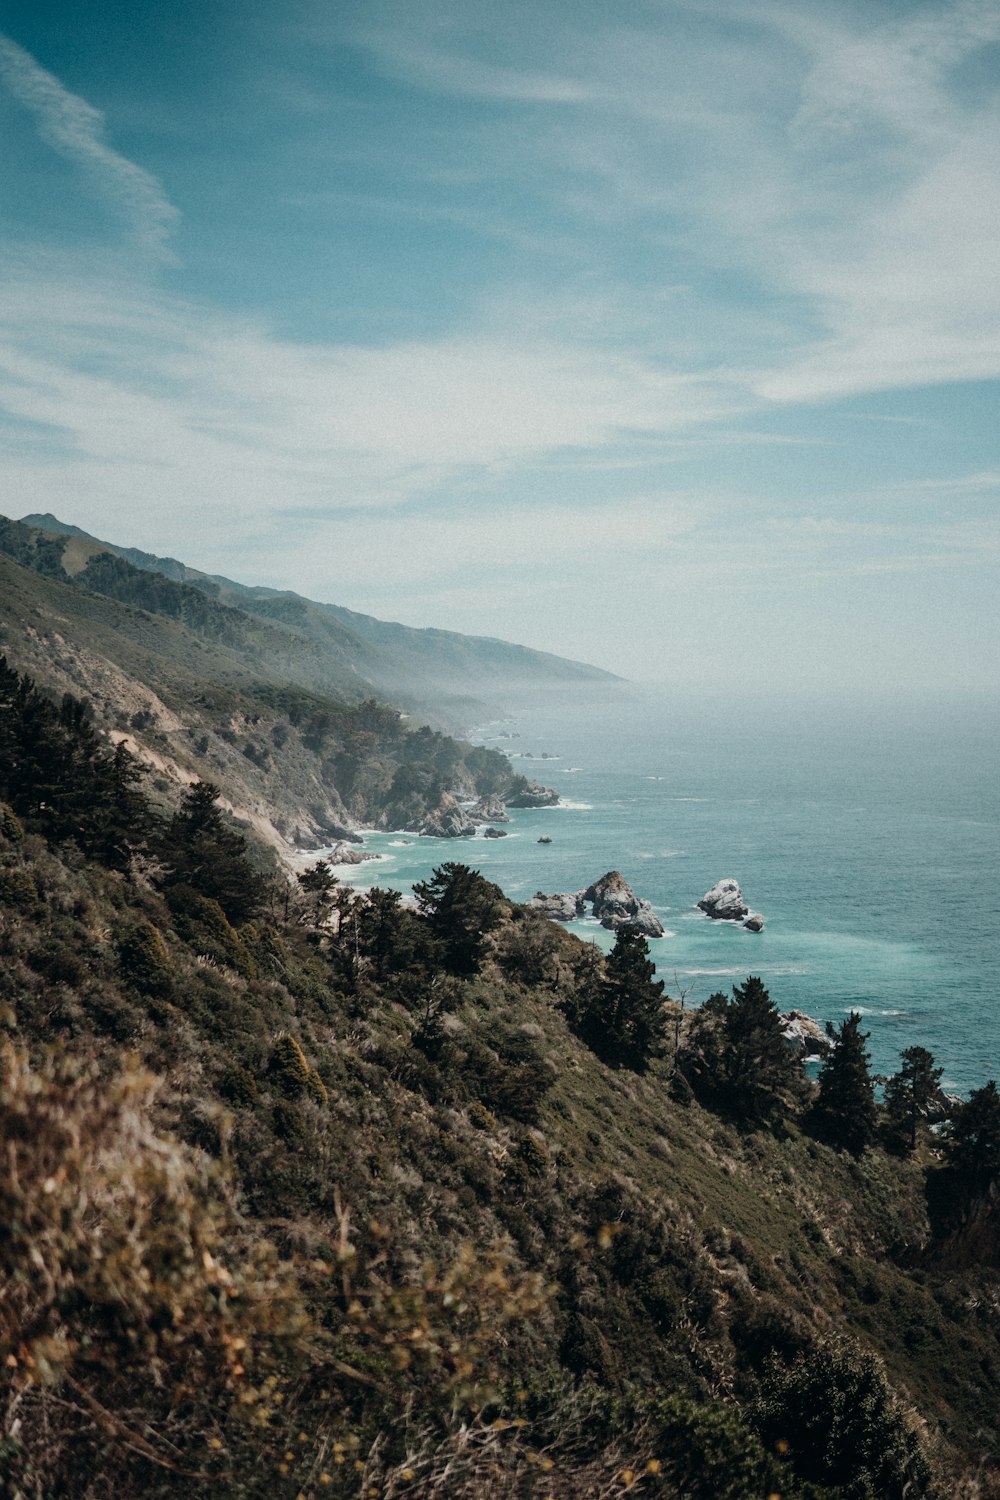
column 866, row 834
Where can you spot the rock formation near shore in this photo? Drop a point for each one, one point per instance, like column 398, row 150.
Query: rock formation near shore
column 804, row 1036
column 489, row 809
column 346, row 854
column 560, row 907
column 447, row 821
column 725, row 903
column 611, row 900
column 534, row 795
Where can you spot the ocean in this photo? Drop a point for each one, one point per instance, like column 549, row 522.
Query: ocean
column 867, row 833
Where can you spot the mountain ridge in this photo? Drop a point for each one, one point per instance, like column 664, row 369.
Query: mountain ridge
column 473, row 667
column 291, row 724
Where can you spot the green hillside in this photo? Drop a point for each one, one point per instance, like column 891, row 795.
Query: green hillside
column 281, row 718
column 440, row 671
column 304, row 1196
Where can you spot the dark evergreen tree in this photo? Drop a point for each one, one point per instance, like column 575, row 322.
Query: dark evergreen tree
column 972, row 1144
column 843, row 1114
column 395, row 943
column 202, row 853
column 57, row 771
column 461, row 909
column 737, row 1058
column 758, row 1065
column 617, row 1007
column 908, row 1095
column 318, row 882
column 963, row 1191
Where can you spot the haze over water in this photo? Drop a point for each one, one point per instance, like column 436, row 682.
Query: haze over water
column 867, row 834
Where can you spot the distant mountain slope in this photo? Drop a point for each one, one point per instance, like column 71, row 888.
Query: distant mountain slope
column 283, row 720
column 441, row 670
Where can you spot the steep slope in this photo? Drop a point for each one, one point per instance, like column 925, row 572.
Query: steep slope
column 389, row 1227
column 205, row 691
column 436, row 669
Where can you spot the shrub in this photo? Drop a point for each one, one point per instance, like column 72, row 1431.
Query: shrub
column 292, row 1074
column 57, row 962
column 123, row 1281
column 533, row 1154
column 145, row 962
column 201, row 921
column 710, row 1452
column 836, row 1413
column 11, row 827
column 17, row 888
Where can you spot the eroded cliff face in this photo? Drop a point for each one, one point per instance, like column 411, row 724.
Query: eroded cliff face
column 301, row 772
column 965, row 1224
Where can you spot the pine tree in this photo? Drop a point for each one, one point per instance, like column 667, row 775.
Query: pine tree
column 461, row 909
column 907, row 1096
column 758, row 1071
column 844, row 1112
column 973, row 1141
column 203, row 853
column 628, row 1024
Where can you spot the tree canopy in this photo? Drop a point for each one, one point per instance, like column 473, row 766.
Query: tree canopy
column 844, row 1114
column 462, row 909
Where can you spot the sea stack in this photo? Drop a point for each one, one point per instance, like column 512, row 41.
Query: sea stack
column 725, row 903
column 611, row 900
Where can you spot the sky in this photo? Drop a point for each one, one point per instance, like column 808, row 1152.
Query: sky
column 664, row 336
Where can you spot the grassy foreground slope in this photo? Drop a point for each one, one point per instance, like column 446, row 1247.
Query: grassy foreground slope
column 303, row 1198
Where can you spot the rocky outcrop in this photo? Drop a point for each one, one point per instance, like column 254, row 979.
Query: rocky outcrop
column 544, row 839
column 561, row 908
column 533, row 794
column 614, row 903
column 447, row 821
column 494, row 833
column 489, row 810
column 724, row 902
column 941, row 1106
column 804, row 1036
column 345, row 854
column 611, row 900
column 754, row 922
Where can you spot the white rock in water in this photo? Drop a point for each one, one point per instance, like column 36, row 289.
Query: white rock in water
column 804, row 1036
column 725, row 902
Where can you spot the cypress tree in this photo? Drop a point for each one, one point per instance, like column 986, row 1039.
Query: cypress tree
column 461, row 908
column 209, row 857
column 973, row 1141
column 758, row 1072
column 907, row 1096
column 616, row 1007
column 843, row 1114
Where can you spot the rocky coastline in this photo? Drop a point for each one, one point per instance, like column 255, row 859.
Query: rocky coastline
column 450, row 820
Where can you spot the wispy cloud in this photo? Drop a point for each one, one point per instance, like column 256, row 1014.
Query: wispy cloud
column 146, row 394
column 454, row 73
column 75, row 129
column 832, row 157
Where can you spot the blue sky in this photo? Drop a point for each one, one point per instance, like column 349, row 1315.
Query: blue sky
column 663, row 335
